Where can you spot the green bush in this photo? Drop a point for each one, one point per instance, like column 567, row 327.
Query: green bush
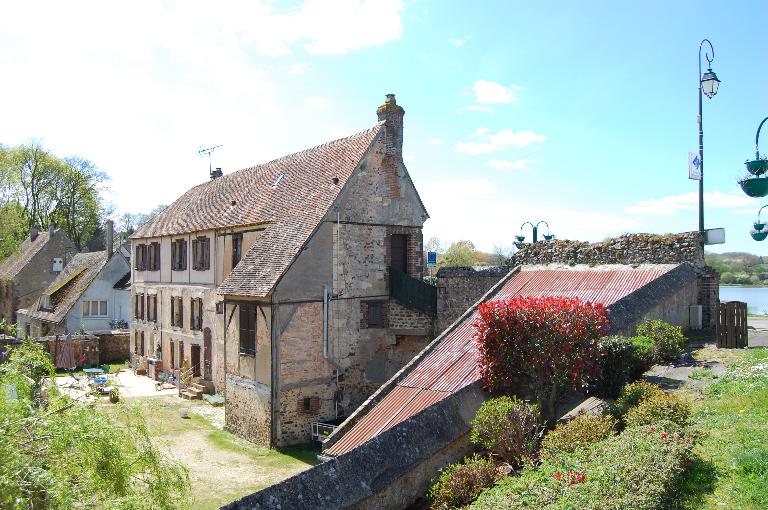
column 631, row 395
column 655, row 408
column 668, row 340
column 509, row 428
column 29, row 359
column 580, row 432
column 619, row 365
column 459, row 484
column 635, row 470
column 643, row 346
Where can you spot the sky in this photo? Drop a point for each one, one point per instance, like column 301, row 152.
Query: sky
column 580, row 114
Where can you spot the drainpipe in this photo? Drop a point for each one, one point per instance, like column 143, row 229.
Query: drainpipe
column 326, row 308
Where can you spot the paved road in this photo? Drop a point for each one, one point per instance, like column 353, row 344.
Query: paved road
column 758, row 332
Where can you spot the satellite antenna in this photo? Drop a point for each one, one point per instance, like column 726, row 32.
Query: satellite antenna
column 208, row 151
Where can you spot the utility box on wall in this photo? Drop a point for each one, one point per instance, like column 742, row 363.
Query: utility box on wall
column 695, row 316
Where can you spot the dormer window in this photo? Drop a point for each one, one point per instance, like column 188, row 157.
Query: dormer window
column 46, row 303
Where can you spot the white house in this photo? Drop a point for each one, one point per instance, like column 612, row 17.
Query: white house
column 92, row 293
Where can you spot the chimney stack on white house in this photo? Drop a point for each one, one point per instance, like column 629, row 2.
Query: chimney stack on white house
column 392, row 115
column 51, row 228
column 109, row 235
column 33, row 233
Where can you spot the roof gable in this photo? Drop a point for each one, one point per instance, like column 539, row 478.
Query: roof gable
column 15, row 262
column 308, row 192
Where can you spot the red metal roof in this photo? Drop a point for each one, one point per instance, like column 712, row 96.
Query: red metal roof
column 453, row 363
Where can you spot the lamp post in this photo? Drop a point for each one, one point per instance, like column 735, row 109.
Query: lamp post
column 708, row 84
column 520, row 237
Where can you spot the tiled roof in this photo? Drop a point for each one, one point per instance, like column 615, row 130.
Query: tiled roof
column 15, row 262
column 289, row 196
column 67, row 288
column 452, row 362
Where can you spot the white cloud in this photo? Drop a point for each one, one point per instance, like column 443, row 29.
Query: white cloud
column 671, row 205
column 408, row 158
column 489, row 92
column 457, row 42
column 475, row 148
column 436, row 141
column 497, row 141
column 476, row 108
column 520, row 164
column 299, row 68
column 317, row 102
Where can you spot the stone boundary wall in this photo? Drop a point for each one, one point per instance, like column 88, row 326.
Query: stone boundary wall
column 458, row 288
column 384, row 472
column 114, row 346
column 81, row 344
column 626, row 249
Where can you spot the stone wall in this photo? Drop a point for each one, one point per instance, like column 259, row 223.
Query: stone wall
column 87, row 345
column 248, row 409
column 458, row 288
column 114, row 346
column 626, row 249
column 402, row 318
column 388, row 472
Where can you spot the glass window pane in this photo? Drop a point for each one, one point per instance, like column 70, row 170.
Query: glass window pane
column 86, row 309
column 102, row 308
column 94, row 308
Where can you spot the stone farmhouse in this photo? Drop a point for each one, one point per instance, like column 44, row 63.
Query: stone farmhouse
column 25, row 274
column 92, row 293
column 294, row 285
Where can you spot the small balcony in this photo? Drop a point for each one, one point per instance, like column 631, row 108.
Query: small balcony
column 412, row 292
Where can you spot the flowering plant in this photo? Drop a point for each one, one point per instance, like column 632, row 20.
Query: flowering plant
column 547, row 344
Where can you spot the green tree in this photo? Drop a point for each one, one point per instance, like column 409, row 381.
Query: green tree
column 460, row 254
column 79, row 209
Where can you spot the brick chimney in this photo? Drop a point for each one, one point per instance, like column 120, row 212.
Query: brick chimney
column 109, row 235
column 33, row 233
column 392, row 115
column 51, row 228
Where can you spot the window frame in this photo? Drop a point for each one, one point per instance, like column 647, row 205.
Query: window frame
column 379, row 323
column 179, row 254
column 237, row 249
column 201, row 253
column 196, row 314
column 177, row 312
column 141, row 257
column 247, row 345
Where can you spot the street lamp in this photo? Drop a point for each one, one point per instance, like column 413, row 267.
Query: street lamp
column 708, row 84
column 520, row 237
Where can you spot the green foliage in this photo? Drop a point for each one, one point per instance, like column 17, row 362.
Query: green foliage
column 643, row 346
column 39, row 188
column 738, row 268
column 619, row 365
column 631, row 395
column 60, row 454
column 663, row 406
column 637, row 470
column 29, row 359
column 459, row 254
column 508, row 428
column 580, row 432
column 459, row 484
column 702, row 373
column 7, row 328
column 668, row 340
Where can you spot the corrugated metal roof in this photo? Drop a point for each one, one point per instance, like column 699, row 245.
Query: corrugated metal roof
column 453, row 363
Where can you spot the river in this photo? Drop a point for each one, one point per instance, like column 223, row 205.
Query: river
column 755, row 297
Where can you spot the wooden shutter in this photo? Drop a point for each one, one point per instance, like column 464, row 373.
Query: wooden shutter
column 196, row 259
column 398, row 245
column 314, row 404
column 174, row 255
column 154, row 308
column 173, row 311
column 184, row 254
column 180, row 306
column 206, row 253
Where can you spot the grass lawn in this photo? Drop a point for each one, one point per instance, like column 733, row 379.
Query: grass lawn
column 731, row 414
column 222, row 467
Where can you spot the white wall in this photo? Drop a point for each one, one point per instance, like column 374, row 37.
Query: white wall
column 102, row 289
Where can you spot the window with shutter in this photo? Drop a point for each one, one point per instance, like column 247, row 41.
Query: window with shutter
column 195, row 254
column 375, row 314
column 179, row 255
column 173, row 311
column 206, row 253
column 237, row 249
column 248, row 330
column 180, row 311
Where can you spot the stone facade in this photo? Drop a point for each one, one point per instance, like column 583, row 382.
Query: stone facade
column 22, row 286
column 114, row 346
column 328, row 359
column 458, row 288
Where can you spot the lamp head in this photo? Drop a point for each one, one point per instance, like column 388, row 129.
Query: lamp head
column 709, row 83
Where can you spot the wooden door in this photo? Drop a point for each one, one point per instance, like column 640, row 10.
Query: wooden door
column 399, row 252
column 195, row 353
column 207, row 354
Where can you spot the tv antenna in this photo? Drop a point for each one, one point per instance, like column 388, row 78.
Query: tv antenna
column 208, row 151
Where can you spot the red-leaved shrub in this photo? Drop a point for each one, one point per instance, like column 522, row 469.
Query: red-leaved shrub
column 548, row 344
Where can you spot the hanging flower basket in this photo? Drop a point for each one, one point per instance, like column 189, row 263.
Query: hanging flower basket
column 758, row 225
column 758, row 235
column 754, row 186
column 757, row 166
column 520, row 239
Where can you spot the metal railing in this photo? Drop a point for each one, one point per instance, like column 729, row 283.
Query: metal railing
column 321, row 430
column 412, row 292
